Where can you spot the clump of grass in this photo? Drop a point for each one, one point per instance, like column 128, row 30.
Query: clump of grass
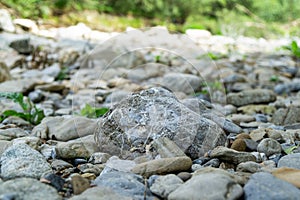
column 30, row 112
column 293, row 48
column 93, row 112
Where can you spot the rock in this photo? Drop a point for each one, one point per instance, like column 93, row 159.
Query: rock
column 22, row 45
column 239, row 145
column 269, row 147
column 79, row 184
column 249, row 166
column 291, row 160
column 258, row 134
column 178, row 82
column 230, row 155
column 54, row 180
column 79, row 148
column 196, row 34
column 99, row 158
column 125, row 184
column 12, row 133
column 166, row 148
column 286, row 116
column 155, row 113
column 163, row 166
column 120, row 165
column 164, row 185
column 184, row 176
column 33, row 142
column 4, row 73
column 51, row 87
column 226, row 124
column 28, row 189
column 6, row 22
column 287, row 88
column 27, row 24
column 100, row 193
column 208, row 186
column 290, row 175
column 20, row 86
column 60, row 165
column 238, row 118
column 64, row 129
column 263, row 185
column 4, row 145
column 22, row 161
column 16, row 120
column 11, row 59
column 253, row 109
column 255, row 96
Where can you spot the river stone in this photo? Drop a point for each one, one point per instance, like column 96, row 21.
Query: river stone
column 154, row 113
column 290, row 160
column 231, row 156
column 64, row 129
column 20, row 160
column 178, row 82
column 164, row 185
column 163, row 166
column 269, row 147
column 166, row 148
column 4, row 73
column 286, row 116
column 208, row 186
column 79, row 148
column 125, row 184
column 21, row 85
column 263, row 185
column 290, row 175
column 6, row 23
column 254, row 96
column 99, row 193
column 27, row 189
column 12, row 133
column 4, row 145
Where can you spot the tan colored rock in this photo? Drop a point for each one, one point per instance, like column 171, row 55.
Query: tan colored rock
column 79, row 184
column 163, row 166
column 287, row 174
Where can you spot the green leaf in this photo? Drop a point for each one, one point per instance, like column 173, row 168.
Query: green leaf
column 101, row 111
column 290, row 149
column 93, row 112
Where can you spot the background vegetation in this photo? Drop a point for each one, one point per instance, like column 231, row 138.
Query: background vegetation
column 258, row 18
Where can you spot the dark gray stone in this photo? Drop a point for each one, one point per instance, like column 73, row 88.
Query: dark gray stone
column 164, row 185
column 291, row 160
column 27, row 189
column 155, row 113
column 263, row 185
column 22, row 161
column 124, row 183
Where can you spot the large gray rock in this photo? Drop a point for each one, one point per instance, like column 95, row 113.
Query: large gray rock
column 27, row 189
column 20, row 85
column 269, row 146
column 155, row 113
column 291, row 160
column 64, row 129
column 251, row 97
column 208, row 186
column 22, row 161
column 12, row 133
column 263, row 185
column 125, row 184
column 6, row 23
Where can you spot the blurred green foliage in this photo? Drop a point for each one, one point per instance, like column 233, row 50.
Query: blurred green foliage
column 250, row 17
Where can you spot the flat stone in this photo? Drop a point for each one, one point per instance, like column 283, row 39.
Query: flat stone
column 163, row 166
column 125, row 184
column 255, row 96
column 249, row 166
column 258, row 134
column 290, row 175
column 231, row 156
column 238, row 118
column 28, row 189
column 79, row 148
column 164, row 185
column 33, row 142
column 64, row 129
column 291, row 160
column 254, row 109
column 119, row 164
column 99, row 193
column 154, row 113
column 269, row 147
column 20, row 86
column 263, row 185
column 20, row 160
column 12, row 133
column 208, row 186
